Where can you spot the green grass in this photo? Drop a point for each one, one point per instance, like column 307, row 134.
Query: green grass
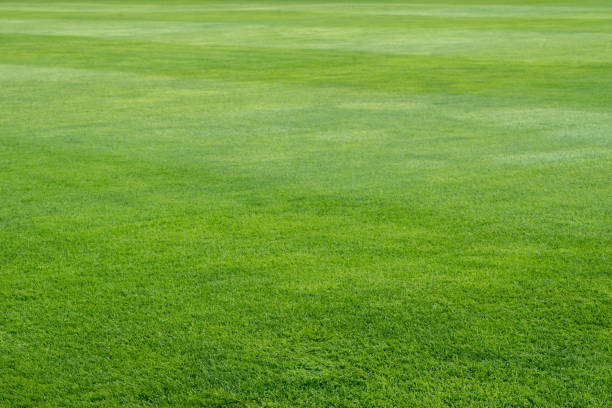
column 316, row 204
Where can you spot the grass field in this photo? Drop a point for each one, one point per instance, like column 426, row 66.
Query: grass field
column 306, row 204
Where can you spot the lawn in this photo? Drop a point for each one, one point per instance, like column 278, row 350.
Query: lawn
column 306, row 204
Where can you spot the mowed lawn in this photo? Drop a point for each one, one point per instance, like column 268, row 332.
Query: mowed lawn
column 306, row 204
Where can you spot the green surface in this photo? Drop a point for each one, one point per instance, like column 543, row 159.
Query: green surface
column 283, row 204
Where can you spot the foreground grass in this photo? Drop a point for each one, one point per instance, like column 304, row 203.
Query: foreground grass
column 305, row 204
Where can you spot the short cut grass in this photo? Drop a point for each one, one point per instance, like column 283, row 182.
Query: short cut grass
column 299, row 203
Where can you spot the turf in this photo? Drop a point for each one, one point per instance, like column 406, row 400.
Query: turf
column 316, row 204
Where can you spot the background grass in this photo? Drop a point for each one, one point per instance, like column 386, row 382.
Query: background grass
column 284, row 204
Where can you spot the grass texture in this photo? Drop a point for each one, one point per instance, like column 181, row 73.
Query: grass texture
column 306, row 204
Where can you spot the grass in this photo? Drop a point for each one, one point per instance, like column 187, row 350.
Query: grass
column 281, row 204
